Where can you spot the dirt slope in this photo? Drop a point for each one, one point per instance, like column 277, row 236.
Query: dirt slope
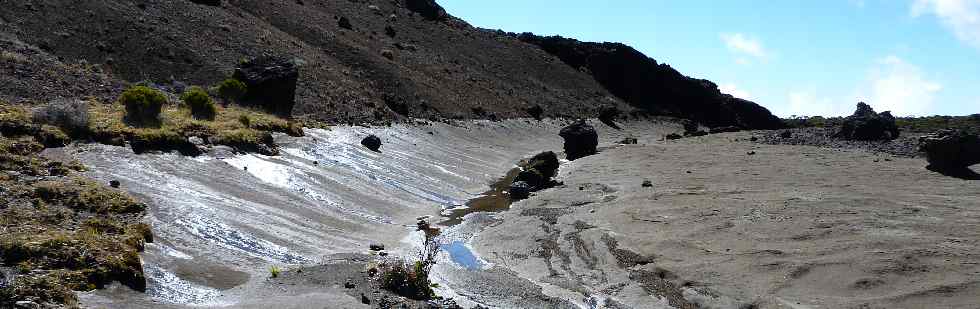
column 390, row 63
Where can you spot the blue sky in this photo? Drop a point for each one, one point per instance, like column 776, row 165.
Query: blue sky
column 914, row 57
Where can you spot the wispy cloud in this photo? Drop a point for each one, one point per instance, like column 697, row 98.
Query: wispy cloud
column 892, row 84
column 806, row 102
column 960, row 16
column 744, row 45
column 732, row 89
column 901, row 87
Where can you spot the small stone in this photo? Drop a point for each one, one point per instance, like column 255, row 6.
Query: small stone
column 377, row 247
column 673, row 136
column 647, row 184
column 349, row 285
column 365, row 300
column 372, row 142
column 382, row 253
column 197, row 141
column 23, row 304
column 786, row 134
column 345, row 23
column 754, row 139
column 751, row 153
column 114, row 184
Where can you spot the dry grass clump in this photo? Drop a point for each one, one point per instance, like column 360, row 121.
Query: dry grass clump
column 62, row 232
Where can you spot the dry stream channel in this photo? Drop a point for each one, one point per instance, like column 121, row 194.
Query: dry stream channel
column 222, row 220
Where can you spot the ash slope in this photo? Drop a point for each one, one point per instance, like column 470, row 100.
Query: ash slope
column 439, row 67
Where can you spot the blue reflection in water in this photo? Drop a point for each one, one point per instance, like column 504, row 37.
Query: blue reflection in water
column 459, row 253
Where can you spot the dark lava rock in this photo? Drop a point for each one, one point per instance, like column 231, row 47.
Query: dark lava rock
column 628, row 141
column 608, row 115
column 754, row 139
column 786, row 134
column 520, row 190
column 696, row 133
column 725, row 129
column 656, row 87
column 690, row 126
column 365, row 300
column 427, row 8
column 530, row 176
column 208, row 2
column 951, row 149
column 751, row 153
column 673, row 136
column 114, row 183
column 271, row 83
column 376, row 247
column 390, row 31
column 647, row 184
column 349, row 285
column 344, row 22
column 546, row 163
column 536, row 112
column 866, row 125
column 580, row 140
column 372, row 142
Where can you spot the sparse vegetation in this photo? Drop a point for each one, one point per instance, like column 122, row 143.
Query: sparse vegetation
column 62, row 232
column 200, row 103
column 72, row 116
column 411, row 278
column 906, row 124
column 232, row 90
column 274, row 271
column 143, row 105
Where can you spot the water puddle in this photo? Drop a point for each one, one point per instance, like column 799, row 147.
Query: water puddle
column 462, row 255
column 495, row 200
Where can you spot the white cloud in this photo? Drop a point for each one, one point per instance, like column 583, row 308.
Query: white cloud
column 808, row 103
column 900, row 87
column 960, row 16
column 733, row 90
column 892, row 85
column 744, row 45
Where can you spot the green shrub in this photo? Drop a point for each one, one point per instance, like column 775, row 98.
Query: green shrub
column 200, row 103
column 232, row 90
column 143, row 105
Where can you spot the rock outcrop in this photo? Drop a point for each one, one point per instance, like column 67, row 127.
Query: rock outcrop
column 427, row 8
column 271, row 83
column 372, row 142
column 656, row 88
column 536, row 175
column 580, row 140
column 950, row 150
column 866, row 125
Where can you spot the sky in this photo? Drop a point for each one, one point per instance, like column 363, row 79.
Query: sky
column 803, row 58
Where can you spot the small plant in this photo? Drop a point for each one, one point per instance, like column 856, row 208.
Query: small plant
column 245, row 121
column 274, row 271
column 232, row 90
column 411, row 278
column 143, row 105
column 200, row 103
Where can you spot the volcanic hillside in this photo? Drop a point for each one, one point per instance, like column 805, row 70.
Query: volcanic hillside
column 359, row 60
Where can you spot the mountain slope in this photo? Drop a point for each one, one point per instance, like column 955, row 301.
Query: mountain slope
column 390, row 62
